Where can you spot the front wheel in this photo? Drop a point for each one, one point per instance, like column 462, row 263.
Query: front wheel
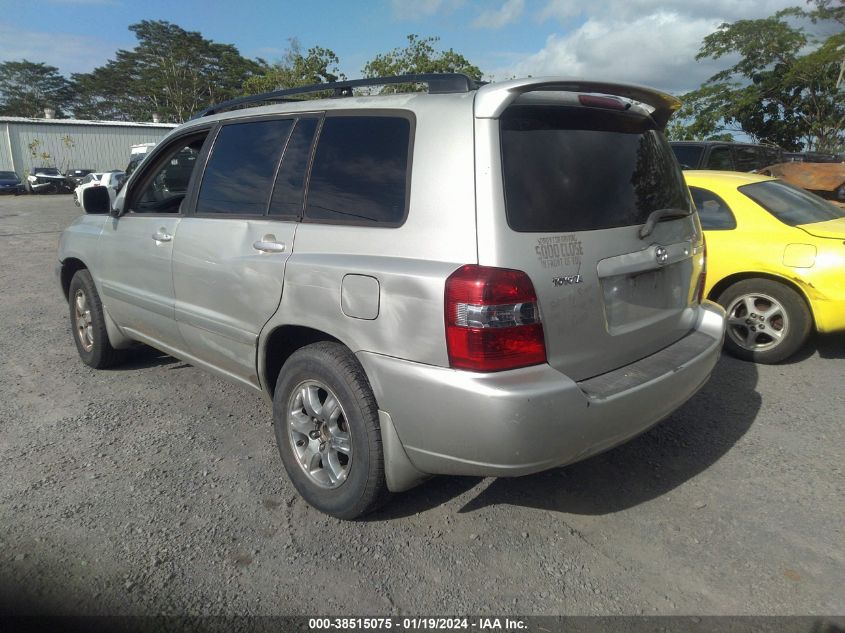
column 327, row 430
column 767, row 322
column 88, row 323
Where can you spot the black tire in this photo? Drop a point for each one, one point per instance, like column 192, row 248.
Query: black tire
column 329, row 369
column 92, row 342
column 758, row 307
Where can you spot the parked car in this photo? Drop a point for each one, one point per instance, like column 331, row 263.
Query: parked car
column 775, row 261
column 76, row 175
column 111, row 180
column 727, row 156
column 451, row 304
column 46, row 180
column 813, row 157
column 10, row 183
column 137, row 153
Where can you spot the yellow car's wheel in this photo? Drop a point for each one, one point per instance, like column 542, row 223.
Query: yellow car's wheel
column 767, row 322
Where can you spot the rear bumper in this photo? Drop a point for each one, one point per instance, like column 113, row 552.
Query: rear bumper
column 527, row 420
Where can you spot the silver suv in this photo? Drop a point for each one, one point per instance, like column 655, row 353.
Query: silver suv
column 486, row 280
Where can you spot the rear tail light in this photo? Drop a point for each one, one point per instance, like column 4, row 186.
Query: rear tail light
column 702, row 276
column 492, row 320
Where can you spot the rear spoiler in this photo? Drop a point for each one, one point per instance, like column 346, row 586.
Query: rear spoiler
column 492, row 99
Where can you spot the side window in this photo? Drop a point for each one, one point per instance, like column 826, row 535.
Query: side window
column 720, row 158
column 239, row 175
column 747, row 159
column 163, row 187
column 290, row 183
column 360, row 171
column 771, row 156
column 714, row 214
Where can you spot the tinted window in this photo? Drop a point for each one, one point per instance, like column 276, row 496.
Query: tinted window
column 714, row 213
column 165, row 183
column 289, row 189
column 747, row 158
column 575, row 169
column 8, row 175
column 688, row 155
column 791, row 205
column 239, row 176
column 720, row 158
column 360, row 170
column 771, row 156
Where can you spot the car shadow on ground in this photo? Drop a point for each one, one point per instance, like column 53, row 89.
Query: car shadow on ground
column 673, row 452
column 830, row 346
column 145, row 357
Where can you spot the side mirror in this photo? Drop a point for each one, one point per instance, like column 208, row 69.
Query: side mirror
column 96, row 200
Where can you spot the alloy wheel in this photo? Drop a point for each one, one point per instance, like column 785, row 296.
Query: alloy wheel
column 319, row 434
column 757, row 322
column 84, row 323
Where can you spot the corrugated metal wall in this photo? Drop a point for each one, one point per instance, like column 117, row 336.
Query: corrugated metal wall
column 100, row 146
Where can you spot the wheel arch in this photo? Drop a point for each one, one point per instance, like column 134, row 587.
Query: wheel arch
column 724, row 284
column 70, row 266
column 278, row 346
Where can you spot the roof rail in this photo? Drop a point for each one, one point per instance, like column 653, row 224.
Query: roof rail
column 438, row 83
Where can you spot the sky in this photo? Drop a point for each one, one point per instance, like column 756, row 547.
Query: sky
column 650, row 42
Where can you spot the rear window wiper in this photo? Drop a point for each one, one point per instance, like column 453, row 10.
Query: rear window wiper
column 659, row 215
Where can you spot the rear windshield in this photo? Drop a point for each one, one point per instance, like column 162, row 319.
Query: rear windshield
column 791, row 205
column 8, row 175
column 689, row 156
column 579, row 169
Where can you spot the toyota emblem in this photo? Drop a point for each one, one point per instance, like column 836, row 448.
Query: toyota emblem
column 661, row 255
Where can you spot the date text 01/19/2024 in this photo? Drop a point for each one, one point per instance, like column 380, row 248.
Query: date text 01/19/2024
column 417, row 624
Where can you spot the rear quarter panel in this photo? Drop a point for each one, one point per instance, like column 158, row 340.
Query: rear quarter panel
column 762, row 246
column 409, row 262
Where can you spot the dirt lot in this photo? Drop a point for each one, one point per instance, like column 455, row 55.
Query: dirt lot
column 155, row 488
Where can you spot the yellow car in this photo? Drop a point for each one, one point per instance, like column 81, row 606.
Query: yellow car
column 775, row 261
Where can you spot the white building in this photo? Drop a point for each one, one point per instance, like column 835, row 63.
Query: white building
column 72, row 143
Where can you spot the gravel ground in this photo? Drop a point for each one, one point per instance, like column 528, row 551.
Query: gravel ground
column 157, row 489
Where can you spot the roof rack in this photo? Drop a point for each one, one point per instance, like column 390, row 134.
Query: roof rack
column 438, row 83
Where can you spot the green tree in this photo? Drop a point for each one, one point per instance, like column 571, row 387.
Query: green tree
column 318, row 65
column 776, row 91
column 26, row 88
column 171, row 72
column 419, row 56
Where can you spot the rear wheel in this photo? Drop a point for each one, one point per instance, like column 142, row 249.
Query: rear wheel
column 327, row 431
column 767, row 322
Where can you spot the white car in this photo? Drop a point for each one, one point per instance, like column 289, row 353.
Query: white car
column 110, row 179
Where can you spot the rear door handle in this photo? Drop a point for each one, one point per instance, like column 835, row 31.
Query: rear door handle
column 161, row 236
column 269, row 247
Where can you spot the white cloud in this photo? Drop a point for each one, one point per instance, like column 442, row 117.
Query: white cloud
column 509, row 12
column 416, row 9
column 623, row 10
column 560, row 10
column 650, row 42
column 69, row 53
